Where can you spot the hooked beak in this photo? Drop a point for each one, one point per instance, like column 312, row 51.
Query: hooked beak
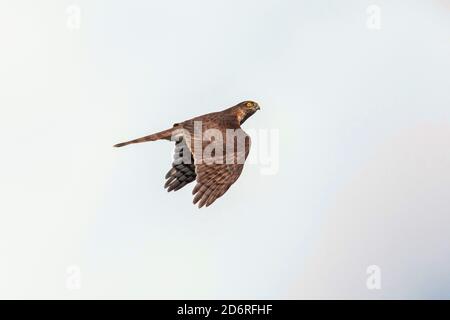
column 257, row 107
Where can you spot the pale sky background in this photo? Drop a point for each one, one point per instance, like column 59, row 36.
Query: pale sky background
column 364, row 173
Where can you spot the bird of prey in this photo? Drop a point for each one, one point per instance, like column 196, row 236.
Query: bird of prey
column 210, row 149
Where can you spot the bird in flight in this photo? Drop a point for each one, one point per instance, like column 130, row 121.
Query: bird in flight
column 210, row 149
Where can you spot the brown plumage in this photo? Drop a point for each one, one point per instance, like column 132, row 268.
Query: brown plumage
column 213, row 179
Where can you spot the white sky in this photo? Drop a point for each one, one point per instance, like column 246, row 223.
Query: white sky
column 364, row 124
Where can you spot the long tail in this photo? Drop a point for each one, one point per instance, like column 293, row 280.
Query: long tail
column 166, row 134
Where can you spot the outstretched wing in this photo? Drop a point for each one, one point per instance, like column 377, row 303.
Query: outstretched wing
column 183, row 168
column 214, row 179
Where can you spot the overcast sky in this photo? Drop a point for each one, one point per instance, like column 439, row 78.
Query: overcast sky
column 363, row 115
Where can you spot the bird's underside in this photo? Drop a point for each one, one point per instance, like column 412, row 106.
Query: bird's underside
column 213, row 178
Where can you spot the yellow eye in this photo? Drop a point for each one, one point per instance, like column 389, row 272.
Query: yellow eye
column 249, row 104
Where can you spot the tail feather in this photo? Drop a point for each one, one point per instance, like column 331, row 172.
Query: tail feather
column 166, row 134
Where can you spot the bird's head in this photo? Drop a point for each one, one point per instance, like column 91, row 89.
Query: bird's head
column 246, row 109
